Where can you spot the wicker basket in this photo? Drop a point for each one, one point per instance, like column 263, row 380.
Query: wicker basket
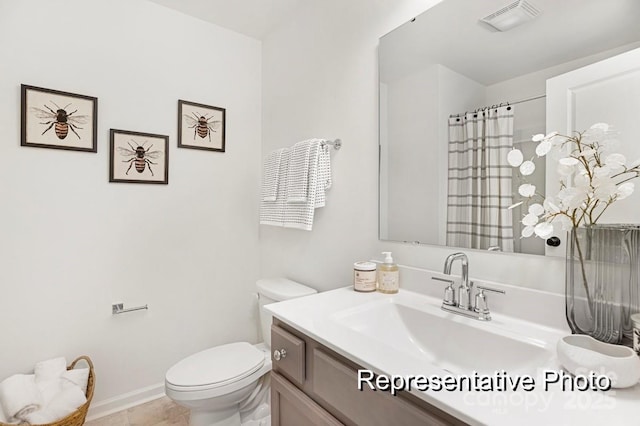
column 77, row 417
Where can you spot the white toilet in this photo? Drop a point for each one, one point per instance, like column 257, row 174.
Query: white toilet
column 218, row 383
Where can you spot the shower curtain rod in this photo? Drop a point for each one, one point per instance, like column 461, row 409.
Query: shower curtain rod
column 532, row 98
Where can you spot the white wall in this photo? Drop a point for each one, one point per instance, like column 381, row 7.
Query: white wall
column 73, row 243
column 418, row 106
column 320, row 80
column 413, row 142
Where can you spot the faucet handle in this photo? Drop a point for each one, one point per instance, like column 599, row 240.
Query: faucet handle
column 481, row 306
column 495, row 290
column 449, row 292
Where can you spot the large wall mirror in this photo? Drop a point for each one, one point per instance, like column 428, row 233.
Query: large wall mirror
column 446, row 74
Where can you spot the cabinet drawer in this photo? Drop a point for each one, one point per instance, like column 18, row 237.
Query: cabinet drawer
column 291, row 407
column 292, row 364
column 335, row 386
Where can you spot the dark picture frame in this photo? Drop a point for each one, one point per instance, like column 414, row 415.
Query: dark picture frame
column 58, row 120
column 136, row 157
column 201, row 126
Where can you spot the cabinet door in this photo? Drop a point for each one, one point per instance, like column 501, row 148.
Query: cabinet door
column 291, row 362
column 291, row 407
column 335, row 386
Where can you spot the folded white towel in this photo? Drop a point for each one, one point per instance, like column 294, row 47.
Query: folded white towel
column 78, row 377
column 50, row 369
column 300, row 166
column 65, row 403
column 300, row 215
column 19, row 396
column 271, row 175
column 304, row 176
column 324, row 175
column 49, row 389
column 272, row 213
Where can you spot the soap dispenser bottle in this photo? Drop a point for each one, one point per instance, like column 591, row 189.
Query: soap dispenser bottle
column 388, row 275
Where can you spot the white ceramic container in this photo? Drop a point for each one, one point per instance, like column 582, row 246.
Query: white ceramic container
column 582, row 354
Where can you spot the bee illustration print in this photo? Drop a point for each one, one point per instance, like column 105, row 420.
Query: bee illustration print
column 60, row 119
column 202, row 125
column 140, row 157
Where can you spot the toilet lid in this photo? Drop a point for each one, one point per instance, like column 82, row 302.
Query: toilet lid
column 216, row 366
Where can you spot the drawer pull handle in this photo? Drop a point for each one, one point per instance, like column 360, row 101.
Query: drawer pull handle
column 279, row 354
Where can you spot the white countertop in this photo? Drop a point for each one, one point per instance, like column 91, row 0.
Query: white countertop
column 315, row 317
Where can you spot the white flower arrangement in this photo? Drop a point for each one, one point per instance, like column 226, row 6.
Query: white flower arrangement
column 592, row 178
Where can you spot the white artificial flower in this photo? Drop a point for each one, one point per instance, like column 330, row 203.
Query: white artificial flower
column 527, row 190
column 530, row 220
column 543, row 230
column 565, row 170
column 615, row 162
column 587, row 152
column 569, row 161
column 527, row 231
column 543, row 148
column 608, row 145
column 625, row 190
column 590, row 177
column 604, row 188
column 556, row 140
column 513, row 206
column 603, row 171
column 572, row 198
column 527, row 168
column 515, row 157
column 536, row 209
column 550, row 206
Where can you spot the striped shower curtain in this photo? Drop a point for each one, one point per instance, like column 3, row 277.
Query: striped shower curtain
column 480, row 187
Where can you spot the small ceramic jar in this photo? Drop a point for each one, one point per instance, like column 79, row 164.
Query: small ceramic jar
column 364, row 276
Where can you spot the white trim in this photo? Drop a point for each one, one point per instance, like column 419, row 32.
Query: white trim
column 124, row 401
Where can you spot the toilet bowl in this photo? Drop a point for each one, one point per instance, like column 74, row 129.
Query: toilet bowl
column 217, row 383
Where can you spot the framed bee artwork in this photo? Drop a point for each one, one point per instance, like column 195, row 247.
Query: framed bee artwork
column 201, row 126
column 138, row 157
column 59, row 120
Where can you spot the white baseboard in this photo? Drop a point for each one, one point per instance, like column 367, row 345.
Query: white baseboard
column 124, row 401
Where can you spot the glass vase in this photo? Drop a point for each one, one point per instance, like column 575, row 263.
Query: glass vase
column 603, row 281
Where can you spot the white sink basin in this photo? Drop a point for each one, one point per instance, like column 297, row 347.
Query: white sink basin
column 449, row 341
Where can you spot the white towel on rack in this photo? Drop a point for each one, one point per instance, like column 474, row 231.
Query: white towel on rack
column 300, row 215
column 300, row 166
column 324, row 175
column 271, row 175
column 272, row 212
column 301, row 188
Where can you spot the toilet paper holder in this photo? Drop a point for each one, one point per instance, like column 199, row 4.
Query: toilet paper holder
column 118, row 308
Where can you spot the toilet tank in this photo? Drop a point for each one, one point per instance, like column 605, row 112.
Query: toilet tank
column 277, row 290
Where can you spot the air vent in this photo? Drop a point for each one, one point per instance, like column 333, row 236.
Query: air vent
column 510, row 16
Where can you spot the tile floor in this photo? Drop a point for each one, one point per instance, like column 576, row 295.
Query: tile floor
column 160, row 412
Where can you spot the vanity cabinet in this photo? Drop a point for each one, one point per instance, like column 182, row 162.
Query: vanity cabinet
column 313, row 385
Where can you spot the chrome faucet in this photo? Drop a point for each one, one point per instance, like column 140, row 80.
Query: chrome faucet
column 464, row 291
column 478, row 310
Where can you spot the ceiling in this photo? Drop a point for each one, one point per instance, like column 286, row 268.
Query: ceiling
column 255, row 18
column 450, row 34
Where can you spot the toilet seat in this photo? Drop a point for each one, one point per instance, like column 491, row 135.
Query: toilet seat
column 215, row 368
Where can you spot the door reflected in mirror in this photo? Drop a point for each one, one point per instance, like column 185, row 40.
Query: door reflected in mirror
column 456, row 95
